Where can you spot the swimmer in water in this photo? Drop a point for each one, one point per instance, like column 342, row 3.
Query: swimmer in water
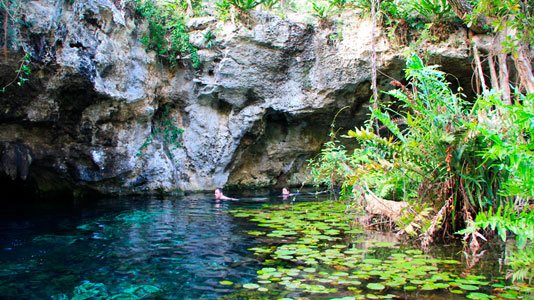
column 285, row 192
column 220, row 196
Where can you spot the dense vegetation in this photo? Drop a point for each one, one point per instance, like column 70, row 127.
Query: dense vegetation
column 462, row 166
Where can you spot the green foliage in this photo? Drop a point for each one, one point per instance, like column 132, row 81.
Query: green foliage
column 509, row 132
column 167, row 33
column 322, row 11
column 223, row 10
column 506, row 219
column 332, row 166
column 245, row 5
column 270, row 4
column 166, row 132
column 21, row 74
column 339, row 4
column 388, row 11
column 209, row 39
column 507, row 14
column 441, row 151
column 227, row 9
column 433, row 10
column 521, row 263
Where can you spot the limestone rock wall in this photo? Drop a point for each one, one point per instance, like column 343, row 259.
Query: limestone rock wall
column 260, row 105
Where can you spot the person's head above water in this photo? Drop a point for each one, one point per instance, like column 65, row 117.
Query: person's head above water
column 220, row 196
column 285, row 191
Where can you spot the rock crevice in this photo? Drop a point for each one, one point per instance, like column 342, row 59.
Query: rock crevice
column 258, row 108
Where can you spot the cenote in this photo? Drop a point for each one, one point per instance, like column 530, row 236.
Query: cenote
column 256, row 248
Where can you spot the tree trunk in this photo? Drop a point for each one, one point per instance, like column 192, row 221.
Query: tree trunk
column 493, row 71
column 502, row 59
column 478, row 65
column 462, row 8
column 524, row 68
column 522, row 62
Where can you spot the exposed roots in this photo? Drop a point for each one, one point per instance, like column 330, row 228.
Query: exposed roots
column 428, row 236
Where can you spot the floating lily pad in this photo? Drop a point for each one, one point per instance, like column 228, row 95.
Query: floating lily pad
column 251, row 286
column 468, row 287
column 226, row 282
column 477, row 296
column 256, row 233
column 375, row 286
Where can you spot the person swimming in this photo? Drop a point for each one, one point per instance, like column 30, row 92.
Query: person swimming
column 285, row 192
column 220, row 196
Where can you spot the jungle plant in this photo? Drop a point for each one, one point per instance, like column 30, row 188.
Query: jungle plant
column 270, row 4
column 339, row 4
column 191, row 7
column 167, row 34
column 433, row 10
column 223, row 10
column 509, row 131
column 521, row 263
column 332, row 166
column 21, row 74
column 388, row 10
column 432, row 149
column 512, row 23
column 461, row 165
column 209, row 39
column 236, row 9
column 164, row 130
column 245, row 6
column 323, row 12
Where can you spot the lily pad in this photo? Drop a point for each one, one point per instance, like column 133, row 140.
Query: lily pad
column 375, row 286
column 478, row 296
column 468, row 287
column 251, row 286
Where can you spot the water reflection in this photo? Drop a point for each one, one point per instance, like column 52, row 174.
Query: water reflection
column 184, row 247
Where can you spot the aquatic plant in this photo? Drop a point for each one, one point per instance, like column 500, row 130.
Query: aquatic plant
column 315, row 250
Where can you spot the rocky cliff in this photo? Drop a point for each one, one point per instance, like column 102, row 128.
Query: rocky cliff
column 98, row 109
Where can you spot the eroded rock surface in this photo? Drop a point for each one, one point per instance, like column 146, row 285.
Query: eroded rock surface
column 98, row 107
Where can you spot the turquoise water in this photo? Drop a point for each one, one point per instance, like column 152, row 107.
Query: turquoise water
column 173, row 248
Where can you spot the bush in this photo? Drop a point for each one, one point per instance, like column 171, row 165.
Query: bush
column 459, row 158
column 167, row 34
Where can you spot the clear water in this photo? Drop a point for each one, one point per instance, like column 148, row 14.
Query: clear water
column 183, row 246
